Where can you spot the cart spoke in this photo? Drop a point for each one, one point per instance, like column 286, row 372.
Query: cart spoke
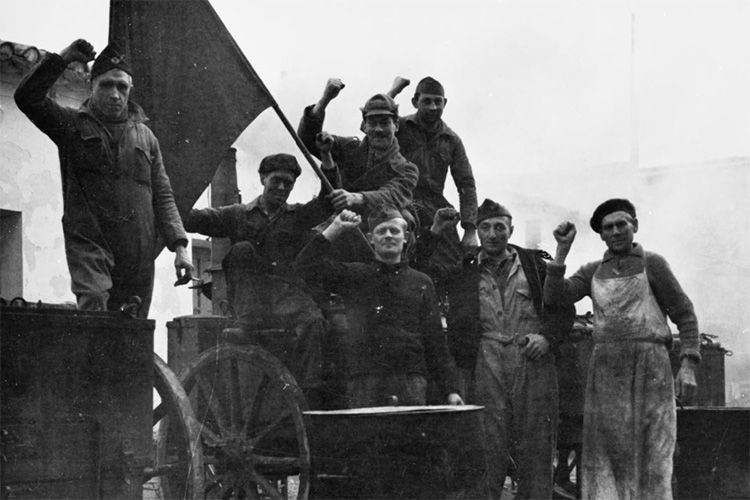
column 261, row 432
column 214, row 407
column 258, row 404
column 235, row 404
column 254, row 405
column 252, row 428
column 209, row 437
column 279, row 464
column 159, row 413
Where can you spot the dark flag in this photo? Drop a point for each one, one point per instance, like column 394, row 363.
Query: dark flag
column 193, row 82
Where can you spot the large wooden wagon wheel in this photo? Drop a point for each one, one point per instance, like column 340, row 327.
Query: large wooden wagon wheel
column 178, row 467
column 253, row 432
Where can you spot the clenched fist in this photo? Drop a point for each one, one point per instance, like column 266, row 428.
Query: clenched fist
column 565, row 233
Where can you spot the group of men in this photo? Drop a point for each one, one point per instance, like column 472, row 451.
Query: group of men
column 383, row 237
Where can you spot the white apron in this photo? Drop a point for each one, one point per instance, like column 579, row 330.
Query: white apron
column 629, row 428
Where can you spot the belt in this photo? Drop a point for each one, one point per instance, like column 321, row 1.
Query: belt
column 518, row 339
column 652, row 340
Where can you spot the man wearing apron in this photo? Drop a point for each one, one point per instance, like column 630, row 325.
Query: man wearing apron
column 629, row 428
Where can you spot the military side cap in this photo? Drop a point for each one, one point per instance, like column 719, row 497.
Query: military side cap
column 279, row 161
column 428, row 85
column 610, row 206
column 489, row 209
column 380, row 104
column 110, row 58
column 383, row 213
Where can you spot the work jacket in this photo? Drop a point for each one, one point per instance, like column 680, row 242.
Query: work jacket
column 393, row 319
column 390, row 179
column 436, row 155
column 115, row 203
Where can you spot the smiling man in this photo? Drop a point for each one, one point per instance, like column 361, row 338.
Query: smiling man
column 629, row 428
column 372, row 170
column 116, row 193
column 394, row 340
column 262, row 288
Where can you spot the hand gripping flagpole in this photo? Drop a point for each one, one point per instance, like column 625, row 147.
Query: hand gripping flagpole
column 327, row 186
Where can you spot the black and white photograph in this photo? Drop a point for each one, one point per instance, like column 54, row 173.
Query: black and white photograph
column 346, row 249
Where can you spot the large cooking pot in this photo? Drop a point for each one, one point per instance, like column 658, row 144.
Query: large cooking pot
column 398, row 452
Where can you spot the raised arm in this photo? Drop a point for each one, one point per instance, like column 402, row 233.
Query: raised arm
column 436, row 254
column 31, row 94
column 330, row 92
column 559, row 291
column 313, row 116
column 399, row 84
column 315, row 263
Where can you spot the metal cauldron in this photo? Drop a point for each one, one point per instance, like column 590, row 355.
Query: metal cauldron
column 398, row 452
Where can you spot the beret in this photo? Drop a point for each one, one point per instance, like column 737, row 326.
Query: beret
column 608, row 207
column 279, row 161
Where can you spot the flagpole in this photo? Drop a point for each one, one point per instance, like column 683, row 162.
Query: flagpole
column 327, row 187
column 308, row 156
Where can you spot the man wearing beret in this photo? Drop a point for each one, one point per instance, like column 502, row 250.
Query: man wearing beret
column 394, row 338
column 629, row 428
column 427, row 141
column 372, row 170
column 266, row 235
column 503, row 339
column 116, row 193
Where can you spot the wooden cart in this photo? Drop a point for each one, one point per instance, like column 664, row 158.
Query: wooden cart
column 250, row 409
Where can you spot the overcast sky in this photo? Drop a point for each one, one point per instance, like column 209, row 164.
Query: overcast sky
column 531, row 84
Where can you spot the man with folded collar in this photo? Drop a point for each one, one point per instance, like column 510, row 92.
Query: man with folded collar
column 116, row 193
column 503, row 338
column 395, row 338
column 263, row 290
column 629, row 421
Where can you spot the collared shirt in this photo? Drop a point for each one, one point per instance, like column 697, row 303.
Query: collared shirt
column 506, row 308
column 435, row 154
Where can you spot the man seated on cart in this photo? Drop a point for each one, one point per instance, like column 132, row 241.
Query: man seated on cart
column 262, row 289
column 394, row 337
